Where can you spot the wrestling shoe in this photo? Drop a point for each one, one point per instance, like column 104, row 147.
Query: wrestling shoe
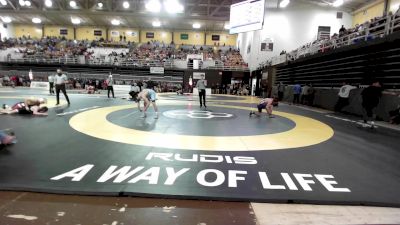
column 156, row 116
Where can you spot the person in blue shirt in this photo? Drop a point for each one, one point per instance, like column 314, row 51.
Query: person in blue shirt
column 296, row 93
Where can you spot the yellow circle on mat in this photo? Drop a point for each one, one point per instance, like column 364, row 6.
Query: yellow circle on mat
column 306, row 132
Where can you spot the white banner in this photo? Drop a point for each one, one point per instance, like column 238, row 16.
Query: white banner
column 126, row 88
column 114, row 33
column 132, row 33
column 40, row 84
column 157, row 70
column 194, row 56
column 197, row 75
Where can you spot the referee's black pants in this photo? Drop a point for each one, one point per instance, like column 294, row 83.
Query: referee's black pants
column 110, row 89
column 61, row 87
column 202, row 96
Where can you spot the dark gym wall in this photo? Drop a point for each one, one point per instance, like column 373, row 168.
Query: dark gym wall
column 326, row 98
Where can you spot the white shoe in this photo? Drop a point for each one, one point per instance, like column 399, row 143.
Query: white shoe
column 144, row 115
column 156, row 116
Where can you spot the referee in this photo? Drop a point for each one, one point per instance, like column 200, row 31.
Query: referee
column 201, row 86
column 60, row 80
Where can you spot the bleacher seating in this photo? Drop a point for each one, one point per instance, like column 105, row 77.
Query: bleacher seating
column 51, row 50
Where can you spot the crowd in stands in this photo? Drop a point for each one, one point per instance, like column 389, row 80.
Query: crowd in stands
column 156, row 52
column 369, row 30
column 232, row 58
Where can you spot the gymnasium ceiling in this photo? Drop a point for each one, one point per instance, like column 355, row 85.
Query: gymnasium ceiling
column 211, row 14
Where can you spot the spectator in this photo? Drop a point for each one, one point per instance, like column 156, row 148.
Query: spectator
column 311, row 95
column 370, row 100
column 304, row 94
column 296, row 93
column 281, row 90
column 343, row 94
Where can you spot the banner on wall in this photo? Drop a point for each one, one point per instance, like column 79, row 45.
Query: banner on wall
column 98, row 33
column 157, row 70
column 267, row 45
column 63, row 31
column 184, row 36
column 149, row 35
column 114, row 33
column 132, row 33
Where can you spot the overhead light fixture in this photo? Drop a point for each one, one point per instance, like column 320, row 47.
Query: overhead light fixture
column 72, row 4
column 125, row 4
column 284, row 3
column 115, row 22
column 75, row 20
column 100, row 5
column 173, row 6
column 3, row 2
column 6, row 19
column 338, row 3
column 196, row 25
column 21, row 2
column 28, row 3
column 36, row 20
column 48, row 3
column 227, row 26
column 153, row 6
column 156, row 23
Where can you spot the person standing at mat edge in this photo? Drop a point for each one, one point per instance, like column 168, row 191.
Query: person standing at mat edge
column 201, row 86
column 110, row 83
column 60, row 80
column 370, row 100
column 51, row 84
column 343, row 94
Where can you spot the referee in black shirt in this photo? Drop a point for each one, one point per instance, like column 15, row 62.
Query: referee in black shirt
column 60, row 80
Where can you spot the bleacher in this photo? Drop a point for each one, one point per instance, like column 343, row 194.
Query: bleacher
column 144, row 55
column 357, row 64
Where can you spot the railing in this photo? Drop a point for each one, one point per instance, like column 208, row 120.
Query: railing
column 384, row 26
column 131, row 63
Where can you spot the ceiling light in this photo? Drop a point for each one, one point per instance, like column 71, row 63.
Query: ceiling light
column 48, row 3
column 196, row 25
column 163, row 34
column 115, row 22
column 156, row 23
column 3, row 2
column 36, row 20
column 125, row 4
column 75, row 20
column 153, row 6
column 100, row 5
column 72, row 4
column 173, row 6
column 338, row 3
column 227, row 26
column 28, row 3
column 21, row 2
column 284, row 3
column 6, row 19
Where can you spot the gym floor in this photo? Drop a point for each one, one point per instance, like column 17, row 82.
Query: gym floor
column 191, row 156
